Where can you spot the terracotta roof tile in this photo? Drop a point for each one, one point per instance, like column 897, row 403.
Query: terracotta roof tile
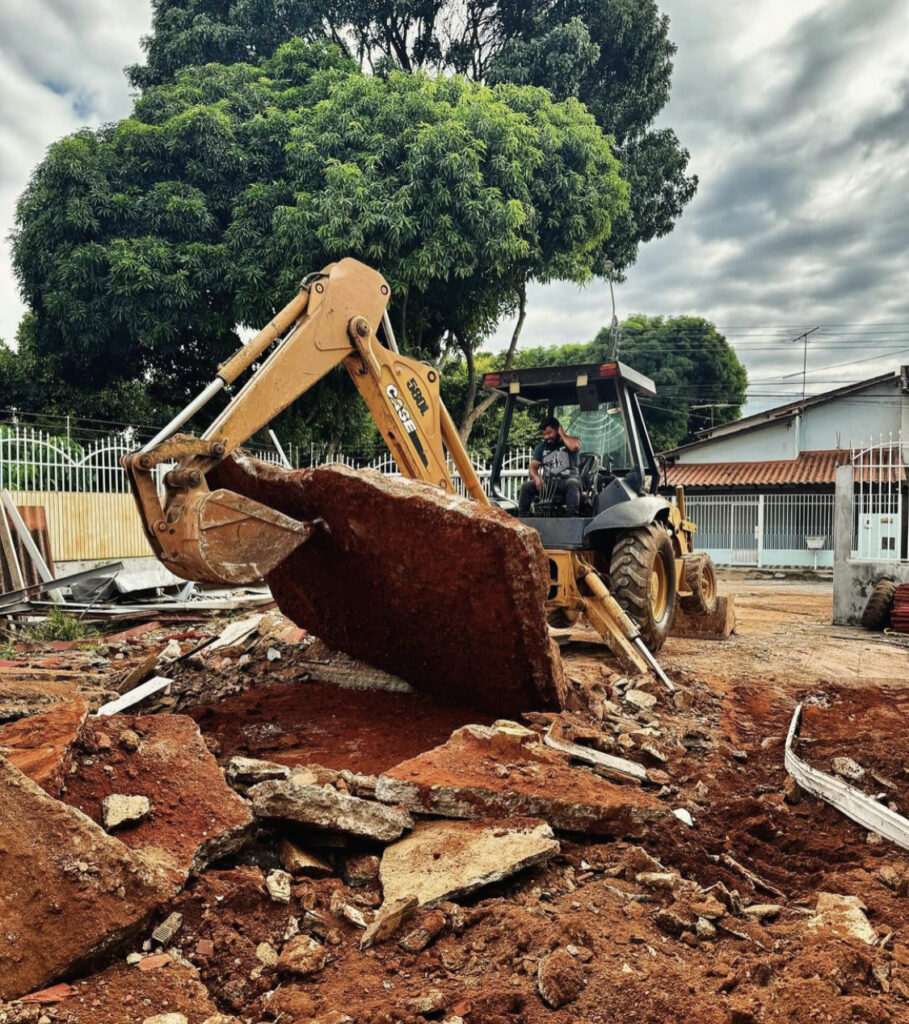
column 809, row 468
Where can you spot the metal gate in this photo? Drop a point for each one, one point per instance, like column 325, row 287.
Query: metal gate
column 745, row 530
column 728, row 526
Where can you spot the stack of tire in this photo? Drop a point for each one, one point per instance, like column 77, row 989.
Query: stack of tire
column 899, row 613
column 878, row 610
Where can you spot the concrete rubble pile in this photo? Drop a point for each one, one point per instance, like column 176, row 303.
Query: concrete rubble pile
column 283, row 834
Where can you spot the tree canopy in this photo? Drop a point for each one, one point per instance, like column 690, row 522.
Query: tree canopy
column 142, row 246
column 613, row 55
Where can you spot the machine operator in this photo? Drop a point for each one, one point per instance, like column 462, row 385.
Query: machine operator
column 557, row 456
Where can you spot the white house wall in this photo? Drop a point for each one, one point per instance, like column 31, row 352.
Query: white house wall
column 851, row 421
column 779, row 441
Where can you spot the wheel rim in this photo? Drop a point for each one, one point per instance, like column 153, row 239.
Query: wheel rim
column 707, row 584
column 659, row 589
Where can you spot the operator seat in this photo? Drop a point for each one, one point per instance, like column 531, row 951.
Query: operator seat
column 589, row 464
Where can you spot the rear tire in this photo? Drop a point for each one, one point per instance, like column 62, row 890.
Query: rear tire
column 642, row 580
column 877, row 611
column 700, row 578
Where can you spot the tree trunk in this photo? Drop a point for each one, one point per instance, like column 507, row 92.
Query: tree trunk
column 473, row 413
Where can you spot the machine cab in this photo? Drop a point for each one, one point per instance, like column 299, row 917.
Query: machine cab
column 598, row 403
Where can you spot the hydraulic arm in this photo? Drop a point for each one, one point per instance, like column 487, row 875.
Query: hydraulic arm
column 223, row 537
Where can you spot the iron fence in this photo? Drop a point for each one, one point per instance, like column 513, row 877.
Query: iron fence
column 879, row 501
column 33, row 460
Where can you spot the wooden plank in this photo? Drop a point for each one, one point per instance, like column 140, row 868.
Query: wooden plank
column 12, row 573
column 85, row 526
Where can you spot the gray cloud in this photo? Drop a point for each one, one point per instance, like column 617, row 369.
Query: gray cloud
column 61, row 67
column 797, row 119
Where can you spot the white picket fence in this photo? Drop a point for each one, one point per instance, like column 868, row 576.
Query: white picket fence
column 32, row 460
column 515, row 467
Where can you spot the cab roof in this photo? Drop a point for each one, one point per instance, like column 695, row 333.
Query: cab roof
column 559, row 384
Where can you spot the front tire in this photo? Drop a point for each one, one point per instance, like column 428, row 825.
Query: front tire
column 700, row 577
column 642, row 579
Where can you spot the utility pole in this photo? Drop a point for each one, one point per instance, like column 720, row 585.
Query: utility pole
column 613, row 349
column 804, row 339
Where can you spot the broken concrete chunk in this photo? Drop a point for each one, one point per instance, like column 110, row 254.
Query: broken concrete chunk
column 434, row 1002
column 560, row 979
column 166, row 1018
column 288, row 800
column 303, row 956
column 118, row 810
column 657, row 879
column 388, row 920
column 298, row 861
column 41, row 747
column 430, row 927
column 458, row 780
column 64, row 868
column 197, row 817
column 844, row 916
column 763, row 911
column 278, row 883
column 249, row 771
column 265, row 954
column 163, row 935
column 443, row 860
column 640, row 699
column 361, row 869
column 846, row 768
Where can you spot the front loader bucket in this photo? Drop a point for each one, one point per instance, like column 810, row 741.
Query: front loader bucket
column 442, row 591
column 229, row 538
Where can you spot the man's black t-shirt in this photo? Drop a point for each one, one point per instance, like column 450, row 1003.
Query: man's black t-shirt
column 555, row 458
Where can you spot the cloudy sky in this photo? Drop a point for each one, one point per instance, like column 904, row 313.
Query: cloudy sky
column 796, row 114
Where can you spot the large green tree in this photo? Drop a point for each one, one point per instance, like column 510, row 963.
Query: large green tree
column 142, row 246
column 697, row 373
column 613, row 55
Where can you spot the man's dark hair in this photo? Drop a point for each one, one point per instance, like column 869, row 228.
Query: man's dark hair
column 550, row 421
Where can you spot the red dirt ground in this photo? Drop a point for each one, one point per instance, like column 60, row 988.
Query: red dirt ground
column 365, row 731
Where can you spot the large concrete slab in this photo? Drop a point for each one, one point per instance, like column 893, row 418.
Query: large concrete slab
column 488, row 772
column 437, row 589
column 69, row 893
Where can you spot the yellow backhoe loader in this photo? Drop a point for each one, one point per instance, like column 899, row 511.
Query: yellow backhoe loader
column 206, row 532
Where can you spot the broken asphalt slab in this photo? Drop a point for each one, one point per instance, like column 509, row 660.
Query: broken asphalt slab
column 298, row 803
column 442, row 860
column 489, row 772
column 69, row 893
column 195, row 816
column 41, row 747
column 437, row 589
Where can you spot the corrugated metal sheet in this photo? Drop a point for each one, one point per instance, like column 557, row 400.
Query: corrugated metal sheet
column 89, row 526
column 809, row 468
